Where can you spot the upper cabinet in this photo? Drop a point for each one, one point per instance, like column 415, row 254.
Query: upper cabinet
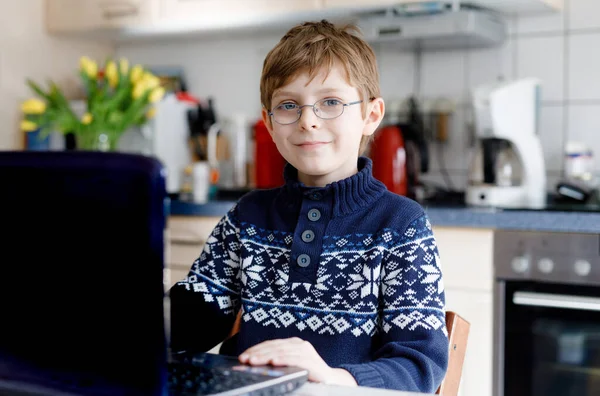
column 130, row 18
column 64, row 16
column 223, row 10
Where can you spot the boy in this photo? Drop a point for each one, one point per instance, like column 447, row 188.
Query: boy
column 332, row 272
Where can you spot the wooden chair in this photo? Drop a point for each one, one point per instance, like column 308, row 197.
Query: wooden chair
column 458, row 334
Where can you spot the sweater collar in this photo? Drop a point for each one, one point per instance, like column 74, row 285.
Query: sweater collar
column 346, row 195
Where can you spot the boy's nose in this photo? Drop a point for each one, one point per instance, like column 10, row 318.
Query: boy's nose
column 308, row 118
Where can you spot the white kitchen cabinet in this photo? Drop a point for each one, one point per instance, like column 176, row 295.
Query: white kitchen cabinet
column 476, row 308
column 185, row 240
column 231, row 13
column 466, row 256
column 72, row 16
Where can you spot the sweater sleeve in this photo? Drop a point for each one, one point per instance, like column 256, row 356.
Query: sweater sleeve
column 207, row 300
column 413, row 352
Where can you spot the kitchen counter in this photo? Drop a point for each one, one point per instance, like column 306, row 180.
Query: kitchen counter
column 557, row 220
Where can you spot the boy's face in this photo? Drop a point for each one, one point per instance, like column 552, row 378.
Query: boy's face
column 323, row 150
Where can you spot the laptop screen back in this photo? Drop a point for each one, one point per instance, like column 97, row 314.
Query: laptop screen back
column 81, row 271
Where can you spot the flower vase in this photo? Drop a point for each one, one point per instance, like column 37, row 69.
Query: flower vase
column 97, row 141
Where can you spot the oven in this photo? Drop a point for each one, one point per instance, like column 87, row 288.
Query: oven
column 546, row 314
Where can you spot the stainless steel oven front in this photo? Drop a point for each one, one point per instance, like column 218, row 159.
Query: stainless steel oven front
column 546, row 314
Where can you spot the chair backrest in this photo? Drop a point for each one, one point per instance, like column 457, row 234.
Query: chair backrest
column 458, row 335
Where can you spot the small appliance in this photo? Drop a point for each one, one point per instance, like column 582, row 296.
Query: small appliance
column 399, row 151
column 507, row 169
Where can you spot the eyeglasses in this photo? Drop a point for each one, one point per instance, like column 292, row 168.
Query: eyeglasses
column 327, row 109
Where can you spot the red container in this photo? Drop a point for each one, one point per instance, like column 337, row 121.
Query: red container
column 268, row 162
column 389, row 159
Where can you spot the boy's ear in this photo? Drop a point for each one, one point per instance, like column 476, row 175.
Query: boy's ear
column 267, row 120
column 375, row 113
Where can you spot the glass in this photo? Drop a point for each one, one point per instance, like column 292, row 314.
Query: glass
column 327, row 109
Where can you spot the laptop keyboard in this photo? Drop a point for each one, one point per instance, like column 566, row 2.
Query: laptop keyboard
column 188, row 379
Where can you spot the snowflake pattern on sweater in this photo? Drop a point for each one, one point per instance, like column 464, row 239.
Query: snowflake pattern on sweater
column 351, row 279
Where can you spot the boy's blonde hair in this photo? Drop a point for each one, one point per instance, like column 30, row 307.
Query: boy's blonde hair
column 312, row 45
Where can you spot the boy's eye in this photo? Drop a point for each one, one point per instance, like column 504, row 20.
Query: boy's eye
column 287, row 106
column 331, row 102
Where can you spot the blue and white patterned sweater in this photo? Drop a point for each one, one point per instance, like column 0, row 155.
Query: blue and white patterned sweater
column 349, row 267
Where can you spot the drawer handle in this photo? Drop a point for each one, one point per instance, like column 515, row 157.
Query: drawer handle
column 118, row 10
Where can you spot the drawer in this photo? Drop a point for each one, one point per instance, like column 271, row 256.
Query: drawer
column 174, row 274
column 190, row 230
column 466, row 257
column 184, row 254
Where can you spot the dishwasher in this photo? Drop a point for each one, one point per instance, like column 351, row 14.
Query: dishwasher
column 546, row 314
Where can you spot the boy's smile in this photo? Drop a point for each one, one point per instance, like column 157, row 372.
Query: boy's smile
column 323, row 150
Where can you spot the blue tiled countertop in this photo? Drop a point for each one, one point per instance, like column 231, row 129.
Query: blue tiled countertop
column 527, row 220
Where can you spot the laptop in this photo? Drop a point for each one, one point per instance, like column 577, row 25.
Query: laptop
column 81, row 285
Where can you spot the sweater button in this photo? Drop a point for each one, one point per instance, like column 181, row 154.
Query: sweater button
column 308, row 236
column 303, row 260
column 314, row 214
column 316, row 196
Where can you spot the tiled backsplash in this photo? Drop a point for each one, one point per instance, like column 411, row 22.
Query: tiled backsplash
column 560, row 49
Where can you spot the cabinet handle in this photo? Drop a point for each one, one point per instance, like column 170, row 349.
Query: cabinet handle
column 111, row 10
column 187, row 239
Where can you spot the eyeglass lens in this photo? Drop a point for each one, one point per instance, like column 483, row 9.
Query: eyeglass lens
column 288, row 113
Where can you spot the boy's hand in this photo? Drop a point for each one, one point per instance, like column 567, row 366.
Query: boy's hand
column 296, row 352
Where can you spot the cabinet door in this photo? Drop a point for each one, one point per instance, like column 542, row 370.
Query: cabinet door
column 476, row 308
column 466, row 257
column 227, row 12
column 78, row 15
column 186, row 236
column 366, row 3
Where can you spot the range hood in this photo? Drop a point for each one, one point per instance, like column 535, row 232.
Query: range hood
column 452, row 29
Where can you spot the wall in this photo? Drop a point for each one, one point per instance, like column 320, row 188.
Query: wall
column 559, row 48
column 26, row 51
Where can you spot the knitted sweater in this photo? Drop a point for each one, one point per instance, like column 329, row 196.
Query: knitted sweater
column 351, row 267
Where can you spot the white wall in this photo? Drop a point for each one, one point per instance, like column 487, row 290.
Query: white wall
column 561, row 49
column 26, row 51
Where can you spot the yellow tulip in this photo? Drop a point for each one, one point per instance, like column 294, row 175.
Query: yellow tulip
column 151, row 80
column 111, row 74
column 86, row 119
column 138, row 89
column 28, row 126
column 88, row 66
column 136, row 74
column 151, row 113
column 124, row 66
column 33, row 106
column 156, row 95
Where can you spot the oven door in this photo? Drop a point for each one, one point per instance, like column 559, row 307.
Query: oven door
column 550, row 339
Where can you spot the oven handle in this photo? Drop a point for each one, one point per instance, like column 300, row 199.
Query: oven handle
column 556, row 301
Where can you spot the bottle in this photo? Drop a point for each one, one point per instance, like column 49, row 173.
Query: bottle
column 186, row 192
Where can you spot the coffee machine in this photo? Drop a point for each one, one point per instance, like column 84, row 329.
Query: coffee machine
column 507, row 168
